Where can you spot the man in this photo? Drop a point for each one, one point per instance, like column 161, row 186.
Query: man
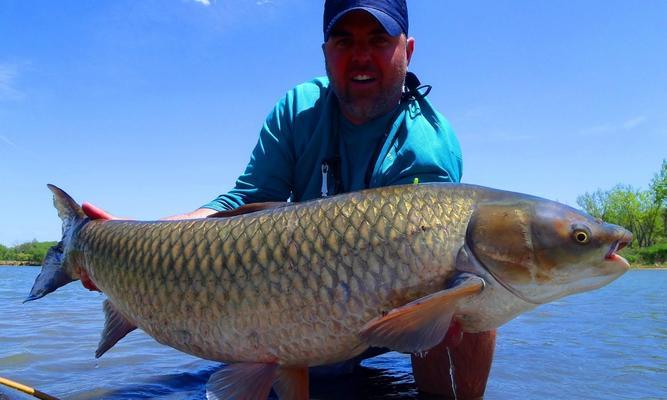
column 365, row 126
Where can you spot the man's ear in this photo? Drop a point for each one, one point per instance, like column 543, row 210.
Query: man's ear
column 409, row 48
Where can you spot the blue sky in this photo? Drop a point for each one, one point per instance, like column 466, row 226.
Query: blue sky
column 151, row 108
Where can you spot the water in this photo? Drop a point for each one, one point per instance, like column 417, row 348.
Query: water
column 607, row 344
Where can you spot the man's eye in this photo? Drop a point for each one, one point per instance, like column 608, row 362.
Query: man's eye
column 344, row 42
column 380, row 41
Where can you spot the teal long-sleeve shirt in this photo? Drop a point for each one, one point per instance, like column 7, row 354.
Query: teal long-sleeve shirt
column 305, row 129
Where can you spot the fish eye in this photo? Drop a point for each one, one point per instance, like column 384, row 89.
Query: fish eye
column 581, row 236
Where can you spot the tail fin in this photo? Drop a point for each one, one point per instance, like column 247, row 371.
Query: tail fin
column 68, row 210
column 53, row 275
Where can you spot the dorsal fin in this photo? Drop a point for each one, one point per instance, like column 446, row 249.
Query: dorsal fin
column 250, row 208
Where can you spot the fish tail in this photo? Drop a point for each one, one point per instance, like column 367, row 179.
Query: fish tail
column 53, row 275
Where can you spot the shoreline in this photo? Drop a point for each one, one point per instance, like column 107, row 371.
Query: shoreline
column 9, row 263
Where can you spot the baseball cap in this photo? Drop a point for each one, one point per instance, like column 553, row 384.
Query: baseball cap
column 391, row 14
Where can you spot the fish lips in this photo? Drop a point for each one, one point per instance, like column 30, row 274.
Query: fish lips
column 612, row 254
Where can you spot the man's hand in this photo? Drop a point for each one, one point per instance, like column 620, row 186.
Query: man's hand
column 94, row 212
column 198, row 213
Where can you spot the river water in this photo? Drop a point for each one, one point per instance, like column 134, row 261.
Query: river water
column 606, row 344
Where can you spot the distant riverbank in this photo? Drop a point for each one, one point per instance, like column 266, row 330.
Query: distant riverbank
column 653, row 266
column 19, row 263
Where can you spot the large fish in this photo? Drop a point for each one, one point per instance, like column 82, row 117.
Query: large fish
column 275, row 291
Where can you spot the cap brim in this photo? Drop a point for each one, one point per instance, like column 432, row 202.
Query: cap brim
column 388, row 23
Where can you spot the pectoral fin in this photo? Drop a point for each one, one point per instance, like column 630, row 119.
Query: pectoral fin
column 116, row 326
column 423, row 323
column 242, row 381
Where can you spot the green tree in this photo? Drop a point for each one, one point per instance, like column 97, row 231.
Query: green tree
column 595, row 203
column 624, row 207
column 659, row 189
column 642, row 212
column 36, row 250
column 32, row 251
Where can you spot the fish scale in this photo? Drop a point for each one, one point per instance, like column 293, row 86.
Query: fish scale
column 276, row 276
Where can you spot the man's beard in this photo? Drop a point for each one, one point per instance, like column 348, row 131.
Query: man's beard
column 368, row 108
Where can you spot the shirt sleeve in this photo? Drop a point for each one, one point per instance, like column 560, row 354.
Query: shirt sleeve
column 269, row 174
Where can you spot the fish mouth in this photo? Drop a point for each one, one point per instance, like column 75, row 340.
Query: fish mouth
column 619, row 244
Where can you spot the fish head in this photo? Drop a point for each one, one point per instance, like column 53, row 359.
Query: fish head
column 542, row 250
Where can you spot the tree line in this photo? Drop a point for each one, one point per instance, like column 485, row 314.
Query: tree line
column 643, row 212
column 29, row 253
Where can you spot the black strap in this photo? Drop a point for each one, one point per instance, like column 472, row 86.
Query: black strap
column 413, row 88
column 333, row 159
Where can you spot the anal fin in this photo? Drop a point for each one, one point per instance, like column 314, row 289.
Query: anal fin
column 116, row 326
column 423, row 323
column 242, row 381
column 292, row 383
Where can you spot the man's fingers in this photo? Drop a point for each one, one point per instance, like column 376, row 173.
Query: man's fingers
column 94, row 212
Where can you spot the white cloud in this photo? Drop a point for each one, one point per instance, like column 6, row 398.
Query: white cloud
column 257, row 2
column 8, row 75
column 627, row 125
column 598, row 129
column 5, row 139
column 635, row 122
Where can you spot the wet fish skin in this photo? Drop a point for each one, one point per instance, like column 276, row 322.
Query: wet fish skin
column 313, row 283
column 293, row 284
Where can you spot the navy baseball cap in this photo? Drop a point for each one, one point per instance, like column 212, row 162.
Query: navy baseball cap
column 391, row 14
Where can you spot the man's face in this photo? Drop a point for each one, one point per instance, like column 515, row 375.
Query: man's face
column 366, row 66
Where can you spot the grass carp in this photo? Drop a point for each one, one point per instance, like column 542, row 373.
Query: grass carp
column 275, row 291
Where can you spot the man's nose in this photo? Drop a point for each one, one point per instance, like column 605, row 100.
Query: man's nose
column 361, row 53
